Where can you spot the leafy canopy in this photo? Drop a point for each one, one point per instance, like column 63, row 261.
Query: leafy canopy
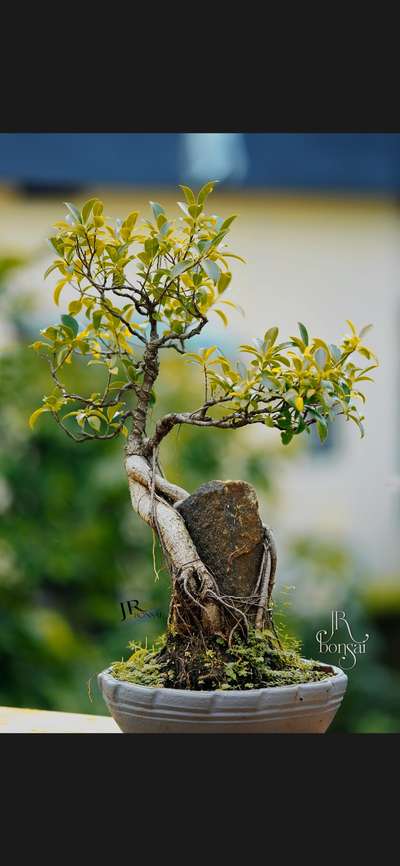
column 154, row 283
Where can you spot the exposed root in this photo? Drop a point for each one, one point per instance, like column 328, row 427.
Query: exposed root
column 203, row 662
column 197, row 605
column 140, row 471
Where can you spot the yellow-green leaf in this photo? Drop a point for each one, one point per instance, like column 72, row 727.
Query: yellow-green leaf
column 38, row 345
column 87, row 209
column 205, row 191
column 222, row 316
column 270, row 337
column 192, row 356
column 223, row 281
column 58, row 289
column 35, row 415
column 208, row 352
column 188, row 193
column 75, row 307
column 299, row 403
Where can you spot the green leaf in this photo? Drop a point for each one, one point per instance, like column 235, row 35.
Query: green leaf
column 270, row 337
column 303, row 333
column 70, row 323
column 75, row 307
column 216, row 240
column 145, row 258
column 97, row 317
column 130, row 221
column 116, row 384
column 223, row 281
column 94, row 422
column 320, row 358
column 70, row 415
column 51, row 268
column 194, row 210
column 50, row 333
column 286, row 437
column 87, row 209
column 188, row 193
column 322, row 430
column 204, row 246
column 180, row 267
column 282, row 359
column 212, row 270
column 132, row 372
column 112, row 410
column 228, row 222
column 58, row 245
column 151, row 246
column 205, row 191
column 335, row 352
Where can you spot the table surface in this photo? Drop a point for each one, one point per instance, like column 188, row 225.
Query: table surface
column 16, row 721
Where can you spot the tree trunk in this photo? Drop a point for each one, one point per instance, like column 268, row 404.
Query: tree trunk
column 197, row 606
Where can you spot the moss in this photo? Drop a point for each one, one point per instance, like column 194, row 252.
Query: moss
column 265, row 660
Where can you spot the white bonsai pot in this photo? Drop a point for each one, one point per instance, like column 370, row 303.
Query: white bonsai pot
column 300, row 709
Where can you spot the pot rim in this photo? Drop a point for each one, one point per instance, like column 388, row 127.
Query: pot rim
column 339, row 677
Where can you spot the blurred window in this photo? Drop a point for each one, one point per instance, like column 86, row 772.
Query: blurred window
column 218, row 155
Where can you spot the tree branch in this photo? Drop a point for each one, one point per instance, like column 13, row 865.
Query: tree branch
column 233, row 421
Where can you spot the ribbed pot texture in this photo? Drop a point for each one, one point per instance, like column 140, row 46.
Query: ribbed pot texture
column 301, row 709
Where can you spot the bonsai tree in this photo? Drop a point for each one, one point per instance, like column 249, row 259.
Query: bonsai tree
column 144, row 288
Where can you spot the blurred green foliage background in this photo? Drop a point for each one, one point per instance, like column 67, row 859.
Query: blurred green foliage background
column 71, row 548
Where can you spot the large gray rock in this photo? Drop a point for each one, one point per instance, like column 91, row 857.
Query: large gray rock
column 223, row 520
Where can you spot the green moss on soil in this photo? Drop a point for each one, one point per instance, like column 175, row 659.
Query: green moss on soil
column 175, row 662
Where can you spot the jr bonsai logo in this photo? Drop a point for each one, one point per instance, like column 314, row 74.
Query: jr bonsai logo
column 138, row 612
column 345, row 650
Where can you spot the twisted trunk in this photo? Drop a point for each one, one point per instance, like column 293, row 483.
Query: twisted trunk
column 153, row 499
column 196, row 602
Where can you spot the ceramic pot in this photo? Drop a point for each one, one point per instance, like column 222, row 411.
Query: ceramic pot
column 300, row 709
